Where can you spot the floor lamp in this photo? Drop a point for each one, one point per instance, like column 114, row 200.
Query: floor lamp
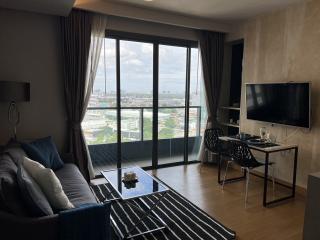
column 14, row 92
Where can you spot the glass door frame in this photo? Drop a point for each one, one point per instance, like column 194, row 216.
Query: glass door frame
column 156, row 41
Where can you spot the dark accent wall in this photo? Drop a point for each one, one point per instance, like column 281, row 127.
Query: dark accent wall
column 30, row 52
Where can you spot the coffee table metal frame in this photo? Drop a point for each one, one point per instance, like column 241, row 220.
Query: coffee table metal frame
column 145, row 214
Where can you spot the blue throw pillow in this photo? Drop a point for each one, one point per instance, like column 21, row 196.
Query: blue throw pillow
column 45, row 152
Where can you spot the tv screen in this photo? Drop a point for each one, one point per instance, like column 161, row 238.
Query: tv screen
column 284, row 103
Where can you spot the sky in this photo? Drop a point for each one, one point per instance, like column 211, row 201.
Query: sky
column 137, row 70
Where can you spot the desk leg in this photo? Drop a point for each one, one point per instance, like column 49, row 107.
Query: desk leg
column 265, row 189
column 292, row 187
column 219, row 168
column 294, row 172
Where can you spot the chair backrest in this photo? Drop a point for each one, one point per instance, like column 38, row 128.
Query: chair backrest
column 241, row 154
column 211, row 139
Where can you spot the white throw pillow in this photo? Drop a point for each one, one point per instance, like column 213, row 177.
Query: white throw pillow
column 49, row 184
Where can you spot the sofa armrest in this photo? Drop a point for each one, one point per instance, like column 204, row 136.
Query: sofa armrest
column 16, row 228
column 89, row 221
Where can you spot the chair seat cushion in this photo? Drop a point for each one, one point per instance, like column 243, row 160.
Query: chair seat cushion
column 74, row 185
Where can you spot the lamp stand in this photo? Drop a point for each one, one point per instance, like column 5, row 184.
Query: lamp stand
column 14, row 118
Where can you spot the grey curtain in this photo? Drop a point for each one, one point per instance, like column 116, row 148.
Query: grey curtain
column 98, row 32
column 212, row 54
column 76, row 38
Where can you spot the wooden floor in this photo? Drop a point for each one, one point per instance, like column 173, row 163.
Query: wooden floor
column 198, row 183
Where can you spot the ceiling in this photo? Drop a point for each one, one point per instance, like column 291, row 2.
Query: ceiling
column 225, row 10
column 199, row 14
column 53, row 7
column 212, row 9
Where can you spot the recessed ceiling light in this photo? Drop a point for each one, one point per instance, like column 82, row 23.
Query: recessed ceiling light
column 148, row 0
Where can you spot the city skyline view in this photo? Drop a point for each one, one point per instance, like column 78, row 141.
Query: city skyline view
column 136, row 91
column 137, row 71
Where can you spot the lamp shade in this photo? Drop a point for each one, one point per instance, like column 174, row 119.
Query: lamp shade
column 14, row 91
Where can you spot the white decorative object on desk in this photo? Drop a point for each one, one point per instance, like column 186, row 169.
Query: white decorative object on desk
column 263, row 132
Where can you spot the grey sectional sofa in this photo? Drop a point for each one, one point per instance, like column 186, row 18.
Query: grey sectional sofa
column 17, row 227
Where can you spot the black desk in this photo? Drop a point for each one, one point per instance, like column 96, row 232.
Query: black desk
column 267, row 151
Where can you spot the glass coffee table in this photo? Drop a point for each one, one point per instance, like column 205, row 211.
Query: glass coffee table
column 145, row 186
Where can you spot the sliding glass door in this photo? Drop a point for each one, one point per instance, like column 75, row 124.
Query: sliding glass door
column 172, row 103
column 100, row 122
column 136, row 104
column 197, row 109
column 145, row 108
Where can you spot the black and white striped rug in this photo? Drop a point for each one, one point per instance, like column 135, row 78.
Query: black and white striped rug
column 184, row 220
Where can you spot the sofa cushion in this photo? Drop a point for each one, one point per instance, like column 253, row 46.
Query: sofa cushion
column 34, row 198
column 44, row 151
column 49, row 184
column 74, row 185
column 10, row 197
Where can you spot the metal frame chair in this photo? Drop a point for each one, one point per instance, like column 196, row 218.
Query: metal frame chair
column 211, row 140
column 242, row 155
column 214, row 145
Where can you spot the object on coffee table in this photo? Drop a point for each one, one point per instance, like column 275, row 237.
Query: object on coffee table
column 130, row 177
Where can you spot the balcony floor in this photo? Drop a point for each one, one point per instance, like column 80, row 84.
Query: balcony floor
column 142, row 162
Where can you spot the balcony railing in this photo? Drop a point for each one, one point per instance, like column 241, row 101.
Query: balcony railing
column 100, row 124
column 100, row 128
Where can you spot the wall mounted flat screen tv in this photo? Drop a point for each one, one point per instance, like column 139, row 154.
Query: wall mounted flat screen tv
column 281, row 103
